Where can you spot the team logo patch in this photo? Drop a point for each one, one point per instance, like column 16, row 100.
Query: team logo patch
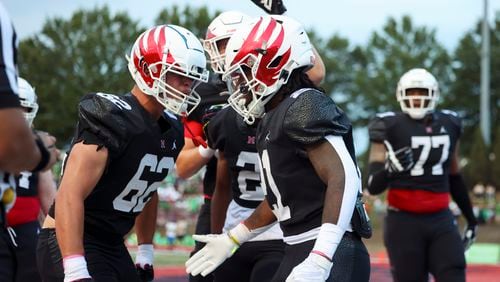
column 251, row 140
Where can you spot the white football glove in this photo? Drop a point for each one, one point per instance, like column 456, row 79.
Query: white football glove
column 218, row 248
column 314, row 268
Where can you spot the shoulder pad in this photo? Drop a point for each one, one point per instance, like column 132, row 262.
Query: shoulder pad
column 216, row 133
column 385, row 114
column 453, row 117
column 174, row 121
column 313, row 116
column 104, row 116
column 377, row 129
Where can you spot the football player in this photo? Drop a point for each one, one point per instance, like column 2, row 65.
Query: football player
column 306, row 153
column 34, row 192
column 124, row 146
column 238, row 192
column 20, row 149
column 414, row 153
column 195, row 153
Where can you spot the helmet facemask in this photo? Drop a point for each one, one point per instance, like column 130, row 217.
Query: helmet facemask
column 216, row 57
column 28, row 100
column 249, row 95
column 417, row 106
column 172, row 99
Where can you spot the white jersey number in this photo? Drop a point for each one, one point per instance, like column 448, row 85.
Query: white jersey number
column 281, row 211
column 427, row 143
column 134, row 201
column 248, row 181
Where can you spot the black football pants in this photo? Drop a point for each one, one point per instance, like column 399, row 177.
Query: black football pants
column 351, row 261
column 105, row 262
column 7, row 256
column 252, row 262
column 421, row 243
column 26, row 239
column 202, row 228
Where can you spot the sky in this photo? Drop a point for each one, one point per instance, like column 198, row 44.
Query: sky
column 353, row 19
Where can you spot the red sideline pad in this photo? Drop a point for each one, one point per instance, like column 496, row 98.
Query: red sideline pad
column 379, row 273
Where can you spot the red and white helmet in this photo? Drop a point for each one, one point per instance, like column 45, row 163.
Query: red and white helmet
column 417, row 106
column 28, row 99
column 271, row 47
column 168, row 49
column 222, row 27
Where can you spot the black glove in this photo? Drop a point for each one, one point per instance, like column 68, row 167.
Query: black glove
column 400, row 160
column 469, row 236
column 145, row 274
column 272, row 7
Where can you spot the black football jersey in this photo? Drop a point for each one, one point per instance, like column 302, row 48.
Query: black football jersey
column 27, row 184
column 141, row 153
column 228, row 132
column 293, row 189
column 212, row 92
column 432, row 139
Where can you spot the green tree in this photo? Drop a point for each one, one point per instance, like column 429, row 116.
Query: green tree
column 70, row 58
column 477, row 168
column 465, row 88
column 495, row 161
column 194, row 19
column 389, row 53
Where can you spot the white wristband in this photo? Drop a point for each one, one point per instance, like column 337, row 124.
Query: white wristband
column 75, row 268
column 206, row 153
column 145, row 255
column 328, row 239
column 240, row 234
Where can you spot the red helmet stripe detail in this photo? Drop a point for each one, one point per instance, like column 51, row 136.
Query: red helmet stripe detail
column 254, row 43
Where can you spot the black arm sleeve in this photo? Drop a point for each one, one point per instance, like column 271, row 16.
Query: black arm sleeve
column 459, row 193
column 377, row 178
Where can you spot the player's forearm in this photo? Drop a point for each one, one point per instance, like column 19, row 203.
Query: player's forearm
column 460, row 195
column 18, row 150
column 189, row 162
column 145, row 223
column 46, row 190
column 69, row 214
column 262, row 216
column 218, row 206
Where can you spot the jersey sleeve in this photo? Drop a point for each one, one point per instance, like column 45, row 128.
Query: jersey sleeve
column 312, row 117
column 8, row 62
column 377, row 130
column 103, row 123
column 455, row 120
column 216, row 134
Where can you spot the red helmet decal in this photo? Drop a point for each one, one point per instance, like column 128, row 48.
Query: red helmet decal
column 255, row 44
column 151, row 52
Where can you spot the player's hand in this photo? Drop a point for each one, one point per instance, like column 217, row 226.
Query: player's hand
column 469, row 236
column 50, row 144
column 144, row 262
column 273, row 7
column 400, row 160
column 218, row 248
column 314, row 268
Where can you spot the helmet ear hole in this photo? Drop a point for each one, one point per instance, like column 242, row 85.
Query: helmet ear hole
column 276, row 62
